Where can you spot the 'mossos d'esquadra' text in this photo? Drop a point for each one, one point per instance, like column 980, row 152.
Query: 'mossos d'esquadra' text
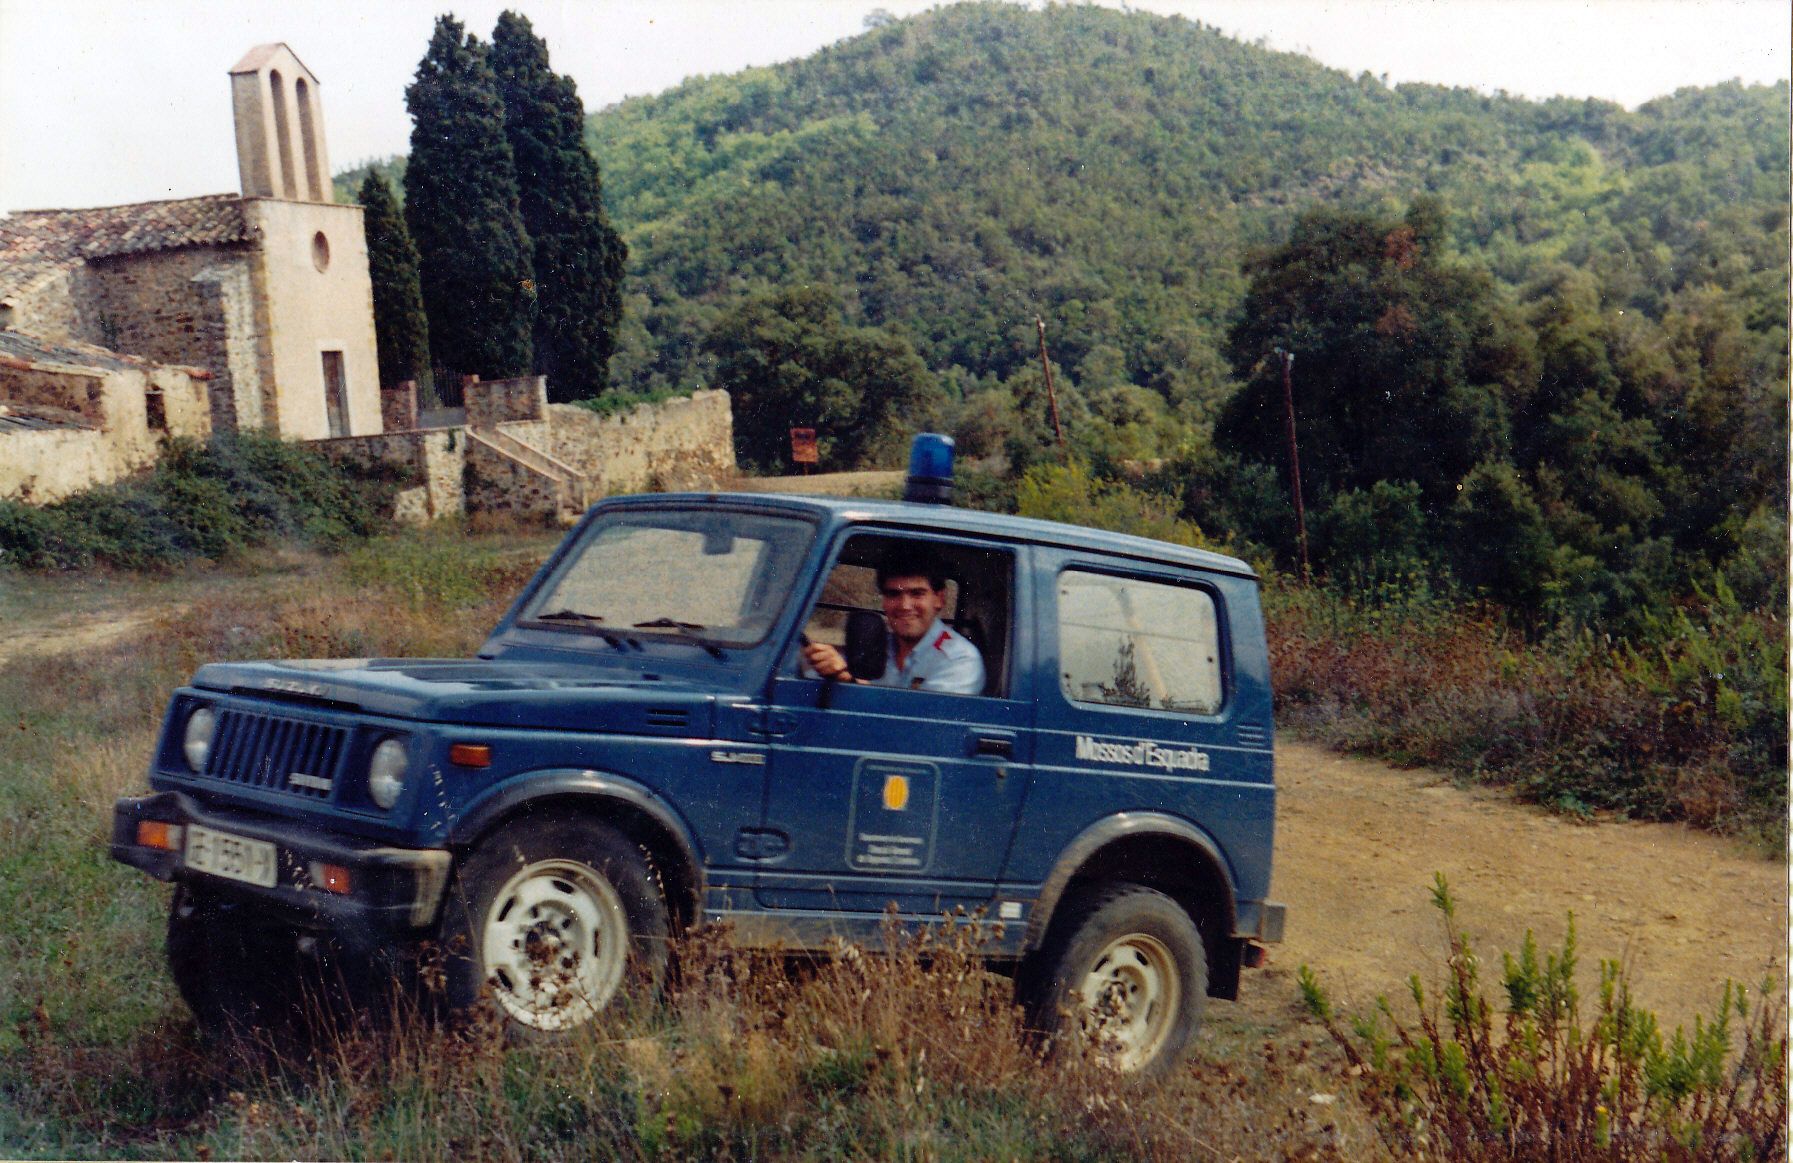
column 1144, row 753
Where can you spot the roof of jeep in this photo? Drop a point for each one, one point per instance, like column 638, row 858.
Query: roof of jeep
column 951, row 518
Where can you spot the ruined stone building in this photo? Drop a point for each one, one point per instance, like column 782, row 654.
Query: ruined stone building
column 262, row 297
column 125, row 324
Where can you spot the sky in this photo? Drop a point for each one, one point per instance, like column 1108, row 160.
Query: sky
column 104, row 102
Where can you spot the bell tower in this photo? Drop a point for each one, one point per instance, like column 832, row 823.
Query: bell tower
column 280, row 127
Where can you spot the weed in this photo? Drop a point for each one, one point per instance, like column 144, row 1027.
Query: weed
column 1550, row 1084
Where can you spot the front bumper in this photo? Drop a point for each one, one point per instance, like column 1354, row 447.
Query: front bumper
column 391, row 892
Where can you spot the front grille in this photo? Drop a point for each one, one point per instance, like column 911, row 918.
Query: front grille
column 266, row 751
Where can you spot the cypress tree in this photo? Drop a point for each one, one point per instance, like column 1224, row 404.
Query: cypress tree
column 461, row 204
column 401, row 330
column 578, row 256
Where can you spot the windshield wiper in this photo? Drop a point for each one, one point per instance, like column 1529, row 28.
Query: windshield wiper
column 688, row 629
column 588, row 622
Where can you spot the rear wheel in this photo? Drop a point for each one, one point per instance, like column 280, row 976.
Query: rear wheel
column 555, row 921
column 1124, row 975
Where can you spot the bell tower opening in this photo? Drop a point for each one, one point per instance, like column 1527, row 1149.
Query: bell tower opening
column 273, row 97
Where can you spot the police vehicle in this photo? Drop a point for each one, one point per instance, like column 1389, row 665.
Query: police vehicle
column 640, row 748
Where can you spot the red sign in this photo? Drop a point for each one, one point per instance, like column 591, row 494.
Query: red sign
column 803, row 446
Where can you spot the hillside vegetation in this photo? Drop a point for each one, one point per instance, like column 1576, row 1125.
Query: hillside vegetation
column 956, row 174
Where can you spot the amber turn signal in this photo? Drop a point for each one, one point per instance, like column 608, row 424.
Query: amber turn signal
column 156, row 834
column 331, row 878
column 470, row 755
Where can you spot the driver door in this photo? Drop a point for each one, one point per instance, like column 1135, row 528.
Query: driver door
column 879, row 794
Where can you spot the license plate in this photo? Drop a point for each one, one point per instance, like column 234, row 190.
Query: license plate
column 232, row 857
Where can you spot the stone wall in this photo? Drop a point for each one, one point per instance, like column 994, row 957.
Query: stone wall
column 152, row 305
column 226, row 346
column 679, row 445
column 83, row 393
column 434, row 459
column 398, row 407
column 45, row 465
column 491, row 402
column 51, row 308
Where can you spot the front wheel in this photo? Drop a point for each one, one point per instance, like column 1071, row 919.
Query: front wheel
column 1124, row 974
column 235, row 976
column 556, row 919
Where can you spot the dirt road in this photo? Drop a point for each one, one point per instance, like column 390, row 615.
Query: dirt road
column 1357, row 843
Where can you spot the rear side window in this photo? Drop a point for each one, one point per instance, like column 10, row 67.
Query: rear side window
column 1127, row 642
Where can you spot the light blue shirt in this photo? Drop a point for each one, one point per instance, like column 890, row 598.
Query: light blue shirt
column 943, row 660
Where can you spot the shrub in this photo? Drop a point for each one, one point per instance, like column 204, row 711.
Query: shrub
column 1686, row 721
column 202, row 501
column 615, row 403
column 1551, row 1085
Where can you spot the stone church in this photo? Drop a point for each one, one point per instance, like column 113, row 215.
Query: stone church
column 230, row 311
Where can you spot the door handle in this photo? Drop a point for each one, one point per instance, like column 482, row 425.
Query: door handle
column 1000, row 745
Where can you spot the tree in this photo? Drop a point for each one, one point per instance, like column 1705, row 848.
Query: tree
column 790, row 360
column 461, row 204
column 401, row 329
column 578, row 257
column 1404, row 358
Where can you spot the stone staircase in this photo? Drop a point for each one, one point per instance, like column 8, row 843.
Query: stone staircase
column 504, row 473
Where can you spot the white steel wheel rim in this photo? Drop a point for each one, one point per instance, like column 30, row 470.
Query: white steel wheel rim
column 1130, row 998
column 555, row 943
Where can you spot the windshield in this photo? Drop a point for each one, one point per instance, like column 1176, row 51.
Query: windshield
column 712, row 575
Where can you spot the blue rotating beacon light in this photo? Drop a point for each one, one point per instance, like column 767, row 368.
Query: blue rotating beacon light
column 930, row 470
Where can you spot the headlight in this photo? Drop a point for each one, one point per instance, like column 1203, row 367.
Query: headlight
column 386, row 772
column 197, row 743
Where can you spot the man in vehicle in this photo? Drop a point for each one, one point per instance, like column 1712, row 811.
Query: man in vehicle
column 922, row 652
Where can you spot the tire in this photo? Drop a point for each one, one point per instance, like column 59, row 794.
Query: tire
column 550, row 922
column 1123, row 975
column 235, row 976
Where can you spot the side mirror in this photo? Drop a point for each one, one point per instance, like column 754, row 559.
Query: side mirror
column 866, row 647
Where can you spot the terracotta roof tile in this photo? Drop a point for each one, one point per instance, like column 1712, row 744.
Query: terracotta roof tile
column 27, row 351
column 36, row 243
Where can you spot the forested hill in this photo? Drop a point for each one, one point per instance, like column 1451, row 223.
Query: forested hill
column 955, row 174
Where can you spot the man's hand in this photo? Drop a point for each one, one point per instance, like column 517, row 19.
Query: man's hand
column 826, row 661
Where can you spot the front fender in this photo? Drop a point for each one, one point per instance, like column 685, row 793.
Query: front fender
column 596, row 788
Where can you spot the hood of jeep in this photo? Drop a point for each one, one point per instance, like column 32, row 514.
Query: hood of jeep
column 548, row 696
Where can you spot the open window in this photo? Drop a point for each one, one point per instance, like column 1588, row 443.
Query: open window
column 980, row 584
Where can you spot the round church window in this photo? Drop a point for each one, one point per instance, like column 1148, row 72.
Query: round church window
column 320, row 251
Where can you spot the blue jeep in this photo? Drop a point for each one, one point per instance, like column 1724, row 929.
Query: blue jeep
column 640, row 747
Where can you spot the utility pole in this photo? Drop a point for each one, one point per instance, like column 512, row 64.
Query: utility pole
column 1288, row 404
column 1051, row 393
